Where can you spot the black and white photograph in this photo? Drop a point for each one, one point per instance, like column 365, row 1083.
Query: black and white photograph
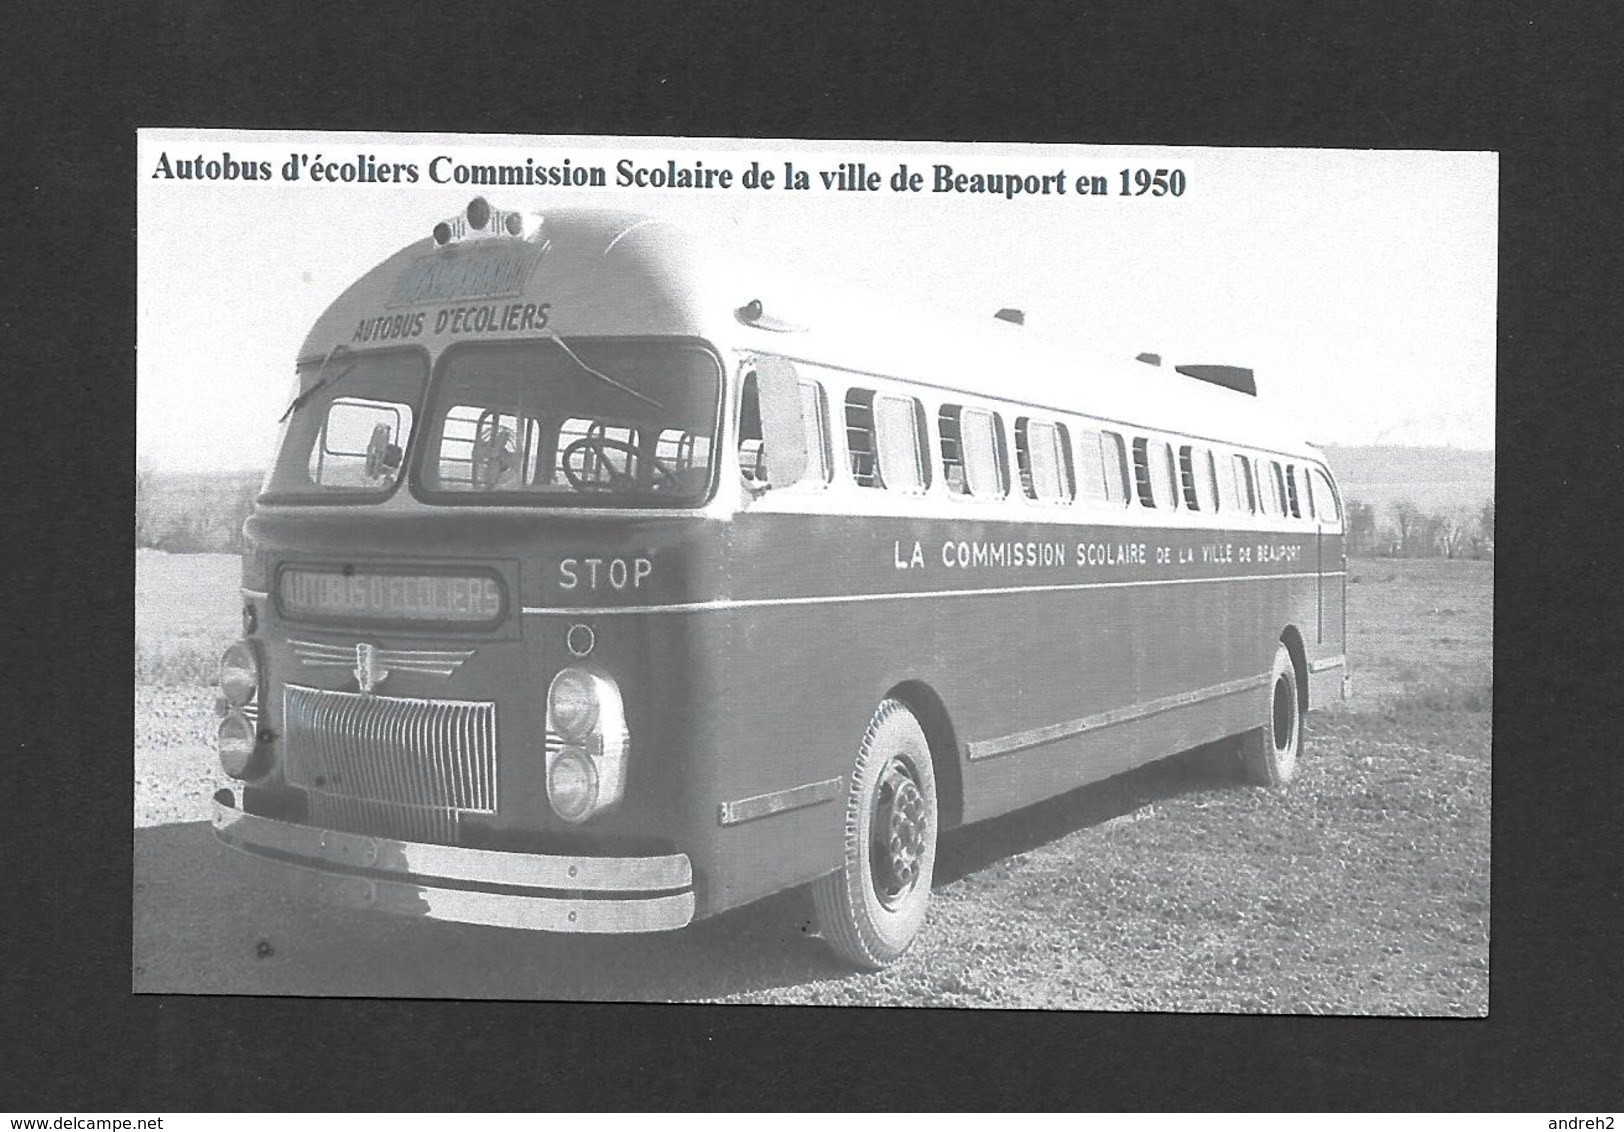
column 814, row 573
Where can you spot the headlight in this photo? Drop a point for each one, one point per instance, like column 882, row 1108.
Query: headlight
column 237, row 744
column 572, row 703
column 586, row 743
column 572, row 783
column 239, row 674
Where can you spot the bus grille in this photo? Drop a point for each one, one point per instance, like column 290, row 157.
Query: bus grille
column 388, row 765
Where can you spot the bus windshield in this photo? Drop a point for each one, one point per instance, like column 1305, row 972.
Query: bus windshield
column 345, row 436
column 629, row 422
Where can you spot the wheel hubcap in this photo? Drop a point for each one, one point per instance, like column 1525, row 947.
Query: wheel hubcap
column 898, row 834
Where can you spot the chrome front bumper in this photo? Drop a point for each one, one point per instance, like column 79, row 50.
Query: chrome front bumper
column 471, row 886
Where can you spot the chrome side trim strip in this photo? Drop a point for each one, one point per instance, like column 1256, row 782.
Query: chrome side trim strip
column 835, row 599
column 330, row 850
column 1021, row 740
column 1328, row 662
column 246, row 592
column 779, row 801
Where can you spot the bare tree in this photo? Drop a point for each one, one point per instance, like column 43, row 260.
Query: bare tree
column 1407, row 521
column 146, row 502
column 1481, row 539
column 1361, row 527
column 1452, row 534
column 1426, row 536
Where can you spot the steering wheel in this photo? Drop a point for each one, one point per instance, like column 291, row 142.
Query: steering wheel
column 601, row 446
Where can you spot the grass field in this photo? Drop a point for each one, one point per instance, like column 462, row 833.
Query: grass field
column 1364, row 888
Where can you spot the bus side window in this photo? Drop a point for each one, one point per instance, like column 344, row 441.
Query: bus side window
column 900, row 443
column 1205, row 473
column 981, row 436
column 1153, row 473
column 1227, row 500
column 1198, row 478
column 1292, row 507
column 949, row 433
column 1102, row 480
column 752, row 448
column 1187, row 476
column 1114, row 463
column 1245, row 488
column 1045, row 451
column 1092, row 485
column 815, row 412
column 1023, row 457
column 860, row 438
column 973, row 460
column 1276, row 494
column 1325, row 499
column 752, row 455
column 1304, row 494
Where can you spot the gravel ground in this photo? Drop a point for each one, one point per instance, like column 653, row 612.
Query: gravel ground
column 1362, row 889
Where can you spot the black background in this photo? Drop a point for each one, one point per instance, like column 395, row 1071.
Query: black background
column 1538, row 83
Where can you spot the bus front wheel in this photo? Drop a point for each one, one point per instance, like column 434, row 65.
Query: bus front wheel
column 872, row 907
column 1269, row 753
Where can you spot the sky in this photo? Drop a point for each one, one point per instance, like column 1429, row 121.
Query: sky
column 1359, row 285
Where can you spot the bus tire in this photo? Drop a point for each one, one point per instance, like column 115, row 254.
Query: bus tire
column 871, row 908
column 1269, row 754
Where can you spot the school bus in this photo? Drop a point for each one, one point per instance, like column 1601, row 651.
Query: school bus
column 598, row 586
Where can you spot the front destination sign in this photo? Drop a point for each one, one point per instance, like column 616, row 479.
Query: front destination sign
column 404, row 597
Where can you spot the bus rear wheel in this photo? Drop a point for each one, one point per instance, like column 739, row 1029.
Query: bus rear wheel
column 872, row 907
column 1269, row 753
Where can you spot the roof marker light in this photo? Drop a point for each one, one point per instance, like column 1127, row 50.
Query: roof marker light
column 480, row 221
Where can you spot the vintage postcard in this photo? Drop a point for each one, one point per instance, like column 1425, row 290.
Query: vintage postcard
column 774, row 571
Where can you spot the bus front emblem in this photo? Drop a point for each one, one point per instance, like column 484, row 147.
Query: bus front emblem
column 369, row 673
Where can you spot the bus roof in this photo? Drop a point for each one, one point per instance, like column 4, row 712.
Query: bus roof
column 990, row 357
column 596, row 272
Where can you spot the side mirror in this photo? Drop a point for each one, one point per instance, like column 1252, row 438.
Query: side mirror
column 783, row 431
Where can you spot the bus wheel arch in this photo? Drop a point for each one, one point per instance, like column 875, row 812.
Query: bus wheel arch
column 871, row 908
